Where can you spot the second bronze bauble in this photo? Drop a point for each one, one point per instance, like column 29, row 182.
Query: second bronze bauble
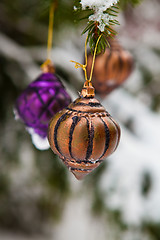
column 111, row 68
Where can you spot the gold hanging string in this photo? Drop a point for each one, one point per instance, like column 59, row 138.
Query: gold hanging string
column 94, row 56
column 50, row 35
column 79, row 65
column 50, row 30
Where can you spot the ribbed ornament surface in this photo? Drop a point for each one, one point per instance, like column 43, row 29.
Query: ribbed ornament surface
column 82, row 135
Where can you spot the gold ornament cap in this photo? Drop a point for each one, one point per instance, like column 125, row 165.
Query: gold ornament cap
column 88, row 90
column 48, row 67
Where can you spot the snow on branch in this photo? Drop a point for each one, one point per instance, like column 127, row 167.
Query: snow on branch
column 99, row 15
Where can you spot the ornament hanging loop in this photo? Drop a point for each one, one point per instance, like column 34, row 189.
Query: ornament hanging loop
column 88, row 89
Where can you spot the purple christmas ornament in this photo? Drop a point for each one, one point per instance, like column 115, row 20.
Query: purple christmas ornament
column 40, row 101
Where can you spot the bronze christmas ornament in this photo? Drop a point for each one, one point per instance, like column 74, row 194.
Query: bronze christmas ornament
column 83, row 134
column 111, row 68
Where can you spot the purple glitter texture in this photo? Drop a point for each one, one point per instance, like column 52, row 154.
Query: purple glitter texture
column 40, row 101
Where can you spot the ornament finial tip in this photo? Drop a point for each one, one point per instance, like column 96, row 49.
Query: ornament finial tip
column 79, row 175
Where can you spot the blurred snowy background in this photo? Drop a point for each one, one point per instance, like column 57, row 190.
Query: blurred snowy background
column 39, row 198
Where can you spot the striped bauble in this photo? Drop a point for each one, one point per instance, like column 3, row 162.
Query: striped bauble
column 111, row 68
column 83, row 134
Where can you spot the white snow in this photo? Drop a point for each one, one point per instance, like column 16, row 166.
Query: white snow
column 99, row 6
column 101, row 18
column 38, row 142
column 95, row 4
